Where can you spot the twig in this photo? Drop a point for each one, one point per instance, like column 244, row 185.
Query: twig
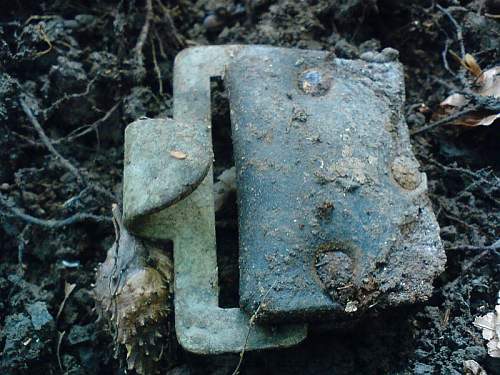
column 448, row 85
column 176, row 38
column 473, row 185
column 74, row 134
column 58, row 350
column 465, row 268
column 451, row 217
column 45, row 38
column 495, row 246
column 39, row 17
column 445, row 120
column 443, row 56
column 144, row 33
column 73, row 200
column 250, row 325
column 160, row 44
column 66, row 97
column 62, row 160
column 157, row 68
column 85, row 129
column 460, row 38
column 458, row 29
column 22, row 244
column 472, row 174
column 46, row 141
column 49, row 223
column 480, row 7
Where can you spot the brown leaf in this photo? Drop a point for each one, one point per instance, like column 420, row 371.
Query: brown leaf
column 471, row 64
column 474, row 119
column 488, row 84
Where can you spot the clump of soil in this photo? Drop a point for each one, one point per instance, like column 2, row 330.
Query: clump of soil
column 76, row 73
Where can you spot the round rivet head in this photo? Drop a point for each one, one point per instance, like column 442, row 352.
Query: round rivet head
column 314, row 82
column 405, row 172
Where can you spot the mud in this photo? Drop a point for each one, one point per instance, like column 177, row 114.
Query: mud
column 75, row 66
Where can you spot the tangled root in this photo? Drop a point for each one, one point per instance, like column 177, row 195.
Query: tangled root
column 132, row 296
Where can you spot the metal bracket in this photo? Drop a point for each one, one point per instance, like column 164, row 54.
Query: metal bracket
column 165, row 198
column 333, row 212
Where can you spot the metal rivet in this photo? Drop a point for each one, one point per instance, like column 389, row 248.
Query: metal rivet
column 314, row 82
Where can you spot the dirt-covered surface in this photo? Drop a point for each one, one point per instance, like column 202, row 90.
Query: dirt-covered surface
column 75, row 73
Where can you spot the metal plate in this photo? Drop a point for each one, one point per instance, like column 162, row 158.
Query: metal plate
column 333, row 212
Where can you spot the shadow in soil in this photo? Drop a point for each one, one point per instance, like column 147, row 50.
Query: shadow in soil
column 366, row 348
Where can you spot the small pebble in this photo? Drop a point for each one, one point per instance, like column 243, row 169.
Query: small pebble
column 216, row 20
column 212, row 22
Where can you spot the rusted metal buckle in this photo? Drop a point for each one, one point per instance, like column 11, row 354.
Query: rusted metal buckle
column 333, row 213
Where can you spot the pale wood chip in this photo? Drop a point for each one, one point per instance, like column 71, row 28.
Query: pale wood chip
column 178, row 154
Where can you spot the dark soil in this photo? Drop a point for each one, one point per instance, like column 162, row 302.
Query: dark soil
column 72, row 67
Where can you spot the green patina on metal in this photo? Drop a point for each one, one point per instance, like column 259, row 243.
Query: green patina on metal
column 164, row 198
column 333, row 212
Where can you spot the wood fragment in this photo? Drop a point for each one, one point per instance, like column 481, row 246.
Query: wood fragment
column 178, row 154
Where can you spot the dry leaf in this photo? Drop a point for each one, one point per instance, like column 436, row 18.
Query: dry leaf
column 178, row 154
column 454, row 100
column 351, row 306
column 475, row 119
column 488, row 84
column 490, row 325
column 68, row 289
column 471, row 367
column 471, row 64
column 488, row 120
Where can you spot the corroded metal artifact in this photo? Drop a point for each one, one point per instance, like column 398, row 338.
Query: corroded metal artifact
column 334, row 217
